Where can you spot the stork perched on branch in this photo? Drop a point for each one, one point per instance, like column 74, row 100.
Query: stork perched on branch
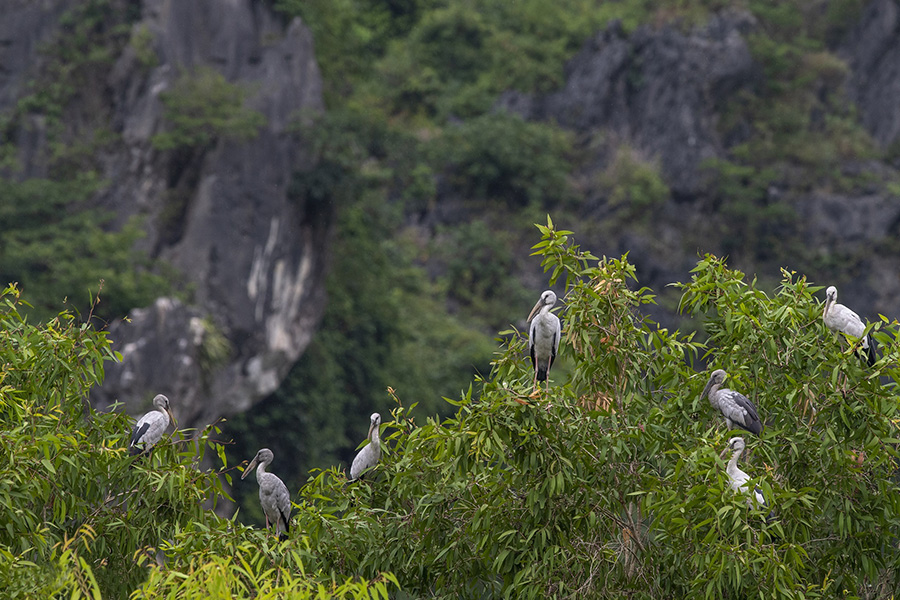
column 150, row 428
column 738, row 479
column 543, row 337
column 841, row 319
column 273, row 494
column 737, row 409
column 370, row 454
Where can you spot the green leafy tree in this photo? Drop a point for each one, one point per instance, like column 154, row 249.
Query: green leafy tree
column 608, row 486
column 82, row 518
column 503, row 157
column 612, row 485
column 56, row 248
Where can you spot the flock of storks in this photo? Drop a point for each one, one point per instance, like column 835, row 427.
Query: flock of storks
column 543, row 344
column 738, row 410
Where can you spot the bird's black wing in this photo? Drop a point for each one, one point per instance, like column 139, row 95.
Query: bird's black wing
column 287, row 522
column 138, row 432
column 741, row 410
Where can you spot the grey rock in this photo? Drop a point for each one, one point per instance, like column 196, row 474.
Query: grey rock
column 256, row 257
column 253, row 257
column 657, row 90
column 24, row 26
column 872, row 51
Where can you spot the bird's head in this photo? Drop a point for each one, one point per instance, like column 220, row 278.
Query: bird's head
column 161, row 402
column 717, row 378
column 548, row 298
column 264, row 456
column 735, row 444
column 374, row 423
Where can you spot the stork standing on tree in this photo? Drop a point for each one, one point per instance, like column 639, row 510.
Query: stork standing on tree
column 543, row 338
column 841, row 319
column 370, row 454
column 150, row 428
column 273, row 494
column 737, row 409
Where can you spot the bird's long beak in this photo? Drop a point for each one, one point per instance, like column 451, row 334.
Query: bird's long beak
column 709, row 384
column 536, row 308
column 371, row 427
column 172, row 417
column 249, row 468
column 828, row 303
column 724, row 453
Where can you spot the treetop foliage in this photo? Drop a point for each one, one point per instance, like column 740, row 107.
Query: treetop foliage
column 609, row 486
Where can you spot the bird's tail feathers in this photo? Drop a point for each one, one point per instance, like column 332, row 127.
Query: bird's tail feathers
column 542, row 373
column 870, row 351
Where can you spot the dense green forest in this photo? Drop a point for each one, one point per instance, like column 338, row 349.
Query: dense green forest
column 610, row 486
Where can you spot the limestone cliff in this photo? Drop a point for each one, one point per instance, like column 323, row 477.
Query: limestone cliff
column 663, row 91
column 252, row 255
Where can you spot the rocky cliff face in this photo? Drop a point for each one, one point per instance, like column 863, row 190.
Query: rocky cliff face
column 662, row 91
column 872, row 51
column 253, row 256
column 655, row 89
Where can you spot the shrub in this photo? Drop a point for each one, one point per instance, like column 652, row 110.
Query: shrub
column 203, row 107
column 43, row 221
column 633, row 184
column 499, row 156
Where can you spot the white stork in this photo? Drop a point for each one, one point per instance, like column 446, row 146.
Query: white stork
column 543, row 337
column 370, row 454
column 273, row 494
column 843, row 320
column 738, row 479
column 150, row 428
column 737, row 409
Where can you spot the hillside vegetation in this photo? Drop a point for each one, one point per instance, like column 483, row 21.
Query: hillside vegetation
column 608, row 486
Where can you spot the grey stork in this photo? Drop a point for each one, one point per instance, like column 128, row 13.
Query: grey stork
column 841, row 319
column 543, row 337
column 737, row 409
column 150, row 428
column 273, row 494
column 370, row 454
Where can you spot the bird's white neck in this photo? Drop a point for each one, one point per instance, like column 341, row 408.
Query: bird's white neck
column 373, row 435
column 261, row 470
column 732, row 464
